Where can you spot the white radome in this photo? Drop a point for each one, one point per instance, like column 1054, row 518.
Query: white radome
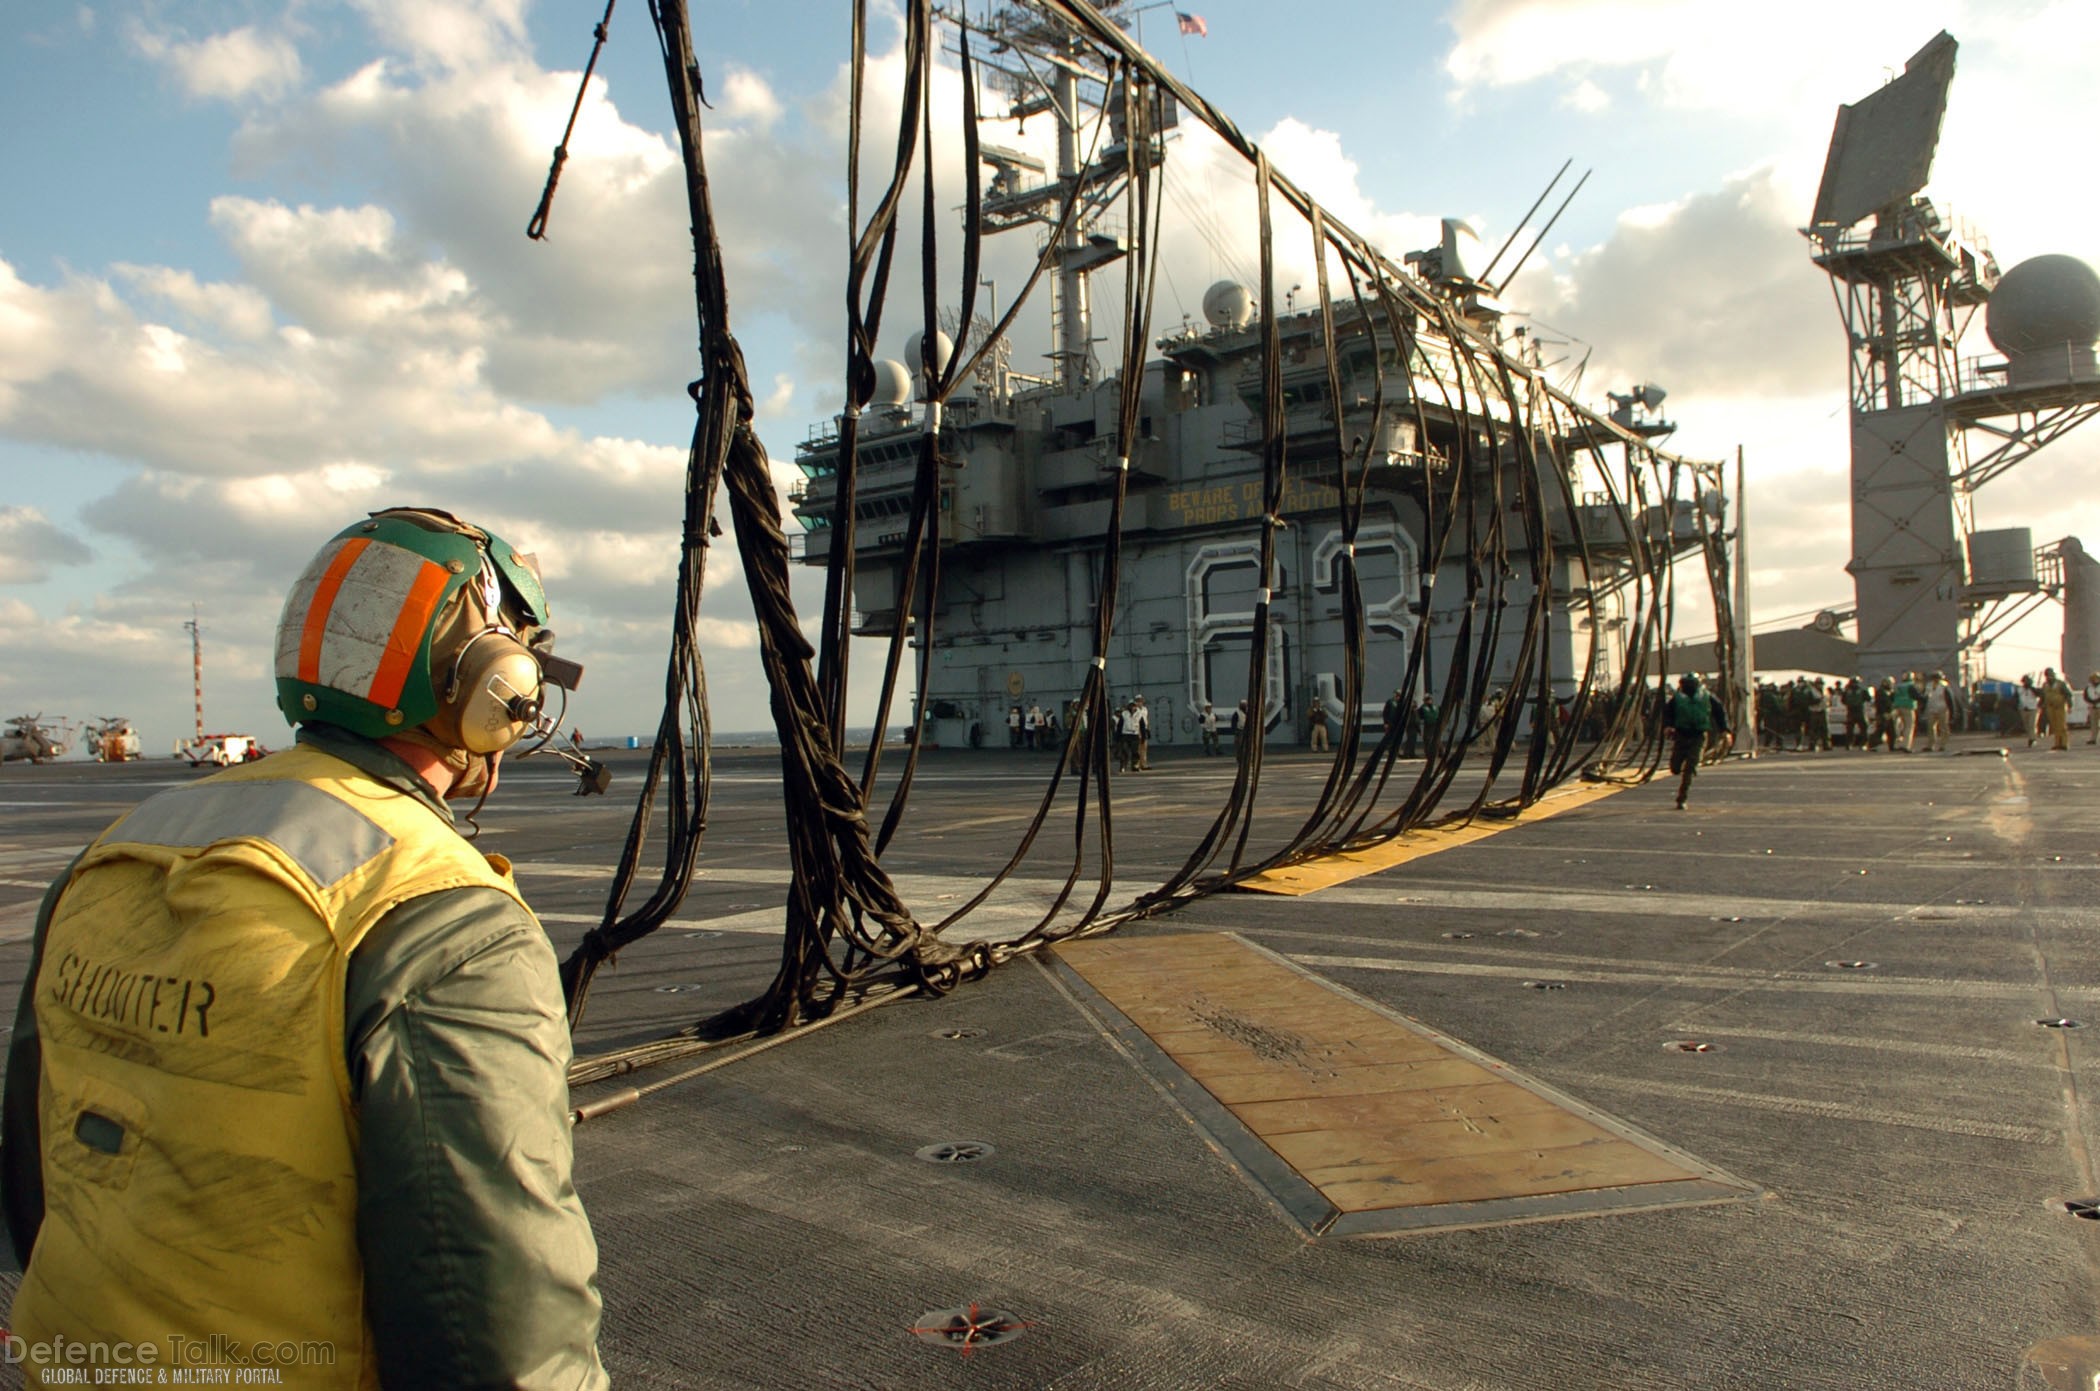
column 943, row 349
column 2042, row 304
column 892, row 382
column 1228, row 305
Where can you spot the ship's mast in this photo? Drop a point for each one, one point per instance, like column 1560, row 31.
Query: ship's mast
column 1901, row 289
column 1074, row 304
column 1929, row 585
column 1052, row 72
column 196, row 632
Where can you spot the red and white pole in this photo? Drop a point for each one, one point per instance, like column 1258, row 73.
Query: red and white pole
column 197, row 667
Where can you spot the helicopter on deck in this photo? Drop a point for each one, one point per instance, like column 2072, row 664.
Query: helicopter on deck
column 111, row 739
column 28, row 738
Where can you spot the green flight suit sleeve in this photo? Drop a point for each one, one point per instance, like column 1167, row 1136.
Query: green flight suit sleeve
column 21, row 1140
column 480, row 1267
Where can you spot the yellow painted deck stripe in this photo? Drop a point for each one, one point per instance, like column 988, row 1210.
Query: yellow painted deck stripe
column 1311, row 876
column 1374, row 1113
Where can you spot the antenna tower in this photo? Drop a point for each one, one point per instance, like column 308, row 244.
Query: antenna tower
column 1908, row 281
column 1048, row 70
column 196, row 632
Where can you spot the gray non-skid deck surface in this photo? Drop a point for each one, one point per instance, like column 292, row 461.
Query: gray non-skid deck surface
column 768, row 1226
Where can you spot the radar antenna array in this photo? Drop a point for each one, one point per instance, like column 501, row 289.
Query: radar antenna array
column 1908, row 285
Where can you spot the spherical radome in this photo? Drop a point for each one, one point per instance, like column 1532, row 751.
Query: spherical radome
column 892, row 382
column 1228, row 305
column 943, row 349
column 2042, row 304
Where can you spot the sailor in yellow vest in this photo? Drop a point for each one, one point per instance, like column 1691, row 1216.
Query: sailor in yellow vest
column 287, row 1089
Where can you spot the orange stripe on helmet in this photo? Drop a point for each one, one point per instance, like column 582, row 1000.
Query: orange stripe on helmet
column 407, row 638
column 324, row 599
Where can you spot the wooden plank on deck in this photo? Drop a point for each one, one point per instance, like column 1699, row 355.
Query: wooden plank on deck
column 1373, row 1112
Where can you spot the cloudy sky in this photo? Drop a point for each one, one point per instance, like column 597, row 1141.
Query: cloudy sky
column 262, row 269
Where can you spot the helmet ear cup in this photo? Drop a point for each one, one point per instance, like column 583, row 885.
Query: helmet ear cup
column 495, row 693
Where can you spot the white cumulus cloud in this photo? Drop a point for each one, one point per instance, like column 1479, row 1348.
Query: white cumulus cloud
column 240, row 64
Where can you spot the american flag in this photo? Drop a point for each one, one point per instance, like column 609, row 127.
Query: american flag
column 1192, row 24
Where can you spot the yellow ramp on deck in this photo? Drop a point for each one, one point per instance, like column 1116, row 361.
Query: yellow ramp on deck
column 1310, row 876
column 1357, row 1120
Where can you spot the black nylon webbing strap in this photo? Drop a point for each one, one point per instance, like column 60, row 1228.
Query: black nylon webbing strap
column 1515, row 482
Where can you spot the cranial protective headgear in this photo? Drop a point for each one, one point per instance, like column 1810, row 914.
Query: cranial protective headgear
column 414, row 620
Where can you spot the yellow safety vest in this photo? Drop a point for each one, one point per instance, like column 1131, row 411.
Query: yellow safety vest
column 199, row 1142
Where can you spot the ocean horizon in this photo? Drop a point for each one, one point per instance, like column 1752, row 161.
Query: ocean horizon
column 856, row 735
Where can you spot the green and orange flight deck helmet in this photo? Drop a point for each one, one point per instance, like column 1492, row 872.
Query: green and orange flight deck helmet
column 376, row 629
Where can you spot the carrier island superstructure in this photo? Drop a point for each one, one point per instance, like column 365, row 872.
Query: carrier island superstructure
column 1026, row 483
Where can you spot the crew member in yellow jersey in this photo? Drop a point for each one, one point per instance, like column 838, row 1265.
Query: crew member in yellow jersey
column 288, row 1084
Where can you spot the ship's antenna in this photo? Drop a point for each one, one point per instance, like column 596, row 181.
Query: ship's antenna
column 196, row 632
column 1544, row 230
column 1516, row 230
column 1050, row 69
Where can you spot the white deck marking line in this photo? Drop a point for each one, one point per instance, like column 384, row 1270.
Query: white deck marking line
column 1705, row 978
column 1951, row 859
column 1536, row 961
column 988, row 924
column 1802, row 1106
column 1878, row 1045
column 1662, row 902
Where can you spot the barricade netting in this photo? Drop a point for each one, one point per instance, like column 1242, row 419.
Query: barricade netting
column 1529, row 474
